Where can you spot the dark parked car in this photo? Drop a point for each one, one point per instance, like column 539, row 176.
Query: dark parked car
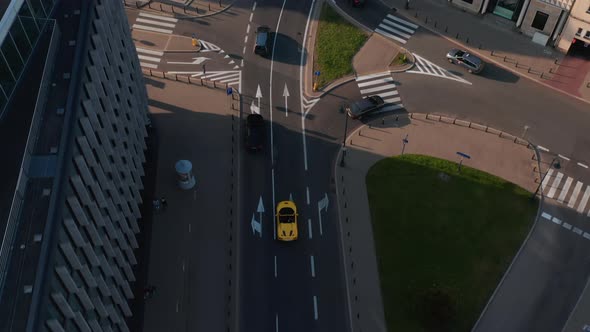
column 367, row 105
column 471, row 62
column 358, row 3
column 262, row 44
column 255, row 132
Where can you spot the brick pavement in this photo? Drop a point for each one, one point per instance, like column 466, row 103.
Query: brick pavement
column 369, row 144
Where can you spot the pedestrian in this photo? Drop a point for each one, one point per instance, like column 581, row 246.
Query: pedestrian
column 156, row 204
column 164, row 203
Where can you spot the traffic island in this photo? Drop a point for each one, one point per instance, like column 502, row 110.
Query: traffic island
column 444, row 235
column 336, row 44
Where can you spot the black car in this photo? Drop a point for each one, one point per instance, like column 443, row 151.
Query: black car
column 262, row 43
column 367, row 105
column 255, row 132
column 358, row 3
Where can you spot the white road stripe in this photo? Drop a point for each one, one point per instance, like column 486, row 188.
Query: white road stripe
column 546, row 215
column 396, row 31
column 245, row 39
column 315, row 307
column 574, row 196
column 577, row 231
column 566, row 226
column 379, row 88
column 546, row 179
column 146, row 51
column 582, row 165
column 148, row 65
column 563, row 157
column 234, row 80
column 152, row 22
column 399, row 26
column 555, row 185
column 387, row 80
column 309, row 228
column 251, row 15
column 395, row 18
column 220, row 75
column 587, row 235
column 565, row 189
column 248, row 29
column 584, row 200
column 386, row 34
column 312, row 266
column 307, row 191
column 277, row 315
column 542, row 148
column 392, row 100
column 148, row 58
column 556, row 220
column 366, row 77
column 275, row 266
column 145, row 27
column 158, row 17
column 389, row 93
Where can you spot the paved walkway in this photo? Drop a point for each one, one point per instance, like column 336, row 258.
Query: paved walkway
column 194, row 9
column 369, row 144
column 512, row 50
column 190, row 262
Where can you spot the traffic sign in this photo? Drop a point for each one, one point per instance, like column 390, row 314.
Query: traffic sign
column 317, row 73
column 464, row 155
column 229, row 90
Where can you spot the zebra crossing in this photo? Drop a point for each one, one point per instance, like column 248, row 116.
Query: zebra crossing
column 380, row 84
column 232, row 78
column 425, row 67
column 154, row 23
column 557, row 185
column 395, row 28
column 149, row 58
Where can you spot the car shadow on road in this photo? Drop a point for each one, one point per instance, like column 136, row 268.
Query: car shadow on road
column 497, row 73
column 287, row 50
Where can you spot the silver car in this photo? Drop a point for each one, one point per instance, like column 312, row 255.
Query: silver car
column 473, row 64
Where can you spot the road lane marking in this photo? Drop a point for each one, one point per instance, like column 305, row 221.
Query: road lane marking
column 277, row 315
column 244, row 50
column 158, row 17
column 146, row 51
column 275, row 266
column 542, row 148
column 577, row 231
column 582, row 165
column 586, row 235
column 176, row 305
column 148, row 65
column 555, row 185
column 307, row 190
column 312, row 266
column 402, row 21
column 245, row 39
column 574, row 198
column 309, row 228
column 148, row 58
column 546, row 215
column 254, row 6
column 248, row 28
column 251, row 15
column 556, row 220
column 301, row 98
column 162, row 24
column 584, row 200
column 566, row 226
column 563, row 157
column 189, row 228
column 315, row 307
column 546, row 179
column 387, row 34
column 274, row 231
column 376, row 81
column 565, row 189
column 148, row 28
column 320, row 220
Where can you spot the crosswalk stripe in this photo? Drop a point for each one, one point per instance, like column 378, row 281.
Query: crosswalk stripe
column 148, row 65
column 546, row 179
column 162, row 24
column 219, row 75
column 234, row 78
column 146, row 51
column 379, row 88
column 158, row 17
column 565, row 190
column 575, row 193
column 148, row 58
column 415, row 26
column 145, row 27
column 367, row 77
column 377, row 81
column 387, row 34
column 584, row 200
column 555, row 185
column 387, row 94
column 392, row 100
column 399, row 26
column 392, row 30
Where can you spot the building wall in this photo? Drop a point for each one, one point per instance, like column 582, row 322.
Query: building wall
column 579, row 18
column 543, row 7
column 473, row 7
column 92, row 274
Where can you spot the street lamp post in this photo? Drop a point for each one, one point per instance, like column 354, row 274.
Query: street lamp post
column 342, row 110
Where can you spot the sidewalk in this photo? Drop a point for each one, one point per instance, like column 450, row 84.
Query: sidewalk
column 497, row 40
column 190, row 259
column 194, row 9
column 439, row 138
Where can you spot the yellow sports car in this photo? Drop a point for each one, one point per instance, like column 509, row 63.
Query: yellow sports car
column 287, row 221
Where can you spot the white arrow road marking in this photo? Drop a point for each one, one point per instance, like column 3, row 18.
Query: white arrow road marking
column 236, row 67
column 260, row 209
column 256, row 226
column 322, row 205
column 226, row 56
column 258, row 95
column 254, row 109
column 309, row 228
column 197, row 61
column 286, row 94
column 312, row 266
column 315, row 307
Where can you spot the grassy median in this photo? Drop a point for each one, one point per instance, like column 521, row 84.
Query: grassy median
column 443, row 239
column 336, row 44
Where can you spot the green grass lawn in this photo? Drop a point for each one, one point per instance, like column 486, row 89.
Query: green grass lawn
column 443, row 239
column 336, row 44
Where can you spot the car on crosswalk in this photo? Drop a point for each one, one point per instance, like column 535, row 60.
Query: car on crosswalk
column 364, row 107
column 287, row 221
column 473, row 64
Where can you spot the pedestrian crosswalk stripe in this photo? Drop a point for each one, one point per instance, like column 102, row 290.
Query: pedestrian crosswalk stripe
column 392, row 100
column 148, row 58
column 375, row 81
column 144, row 60
column 158, row 17
column 216, row 74
column 410, row 24
column 383, row 85
column 574, row 198
column 395, row 28
column 546, row 179
column 425, row 67
column 162, row 24
column 584, row 200
column 148, row 65
column 370, row 76
column 379, row 88
column 555, row 185
column 387, row 94
column 148, row 28
column 146, row 51
column 565, row 190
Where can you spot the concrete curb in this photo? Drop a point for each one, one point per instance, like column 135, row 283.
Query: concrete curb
column 403, row 68
column 451, row 121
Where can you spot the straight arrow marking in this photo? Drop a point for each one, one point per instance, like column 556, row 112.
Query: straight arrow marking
column 286, row 94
